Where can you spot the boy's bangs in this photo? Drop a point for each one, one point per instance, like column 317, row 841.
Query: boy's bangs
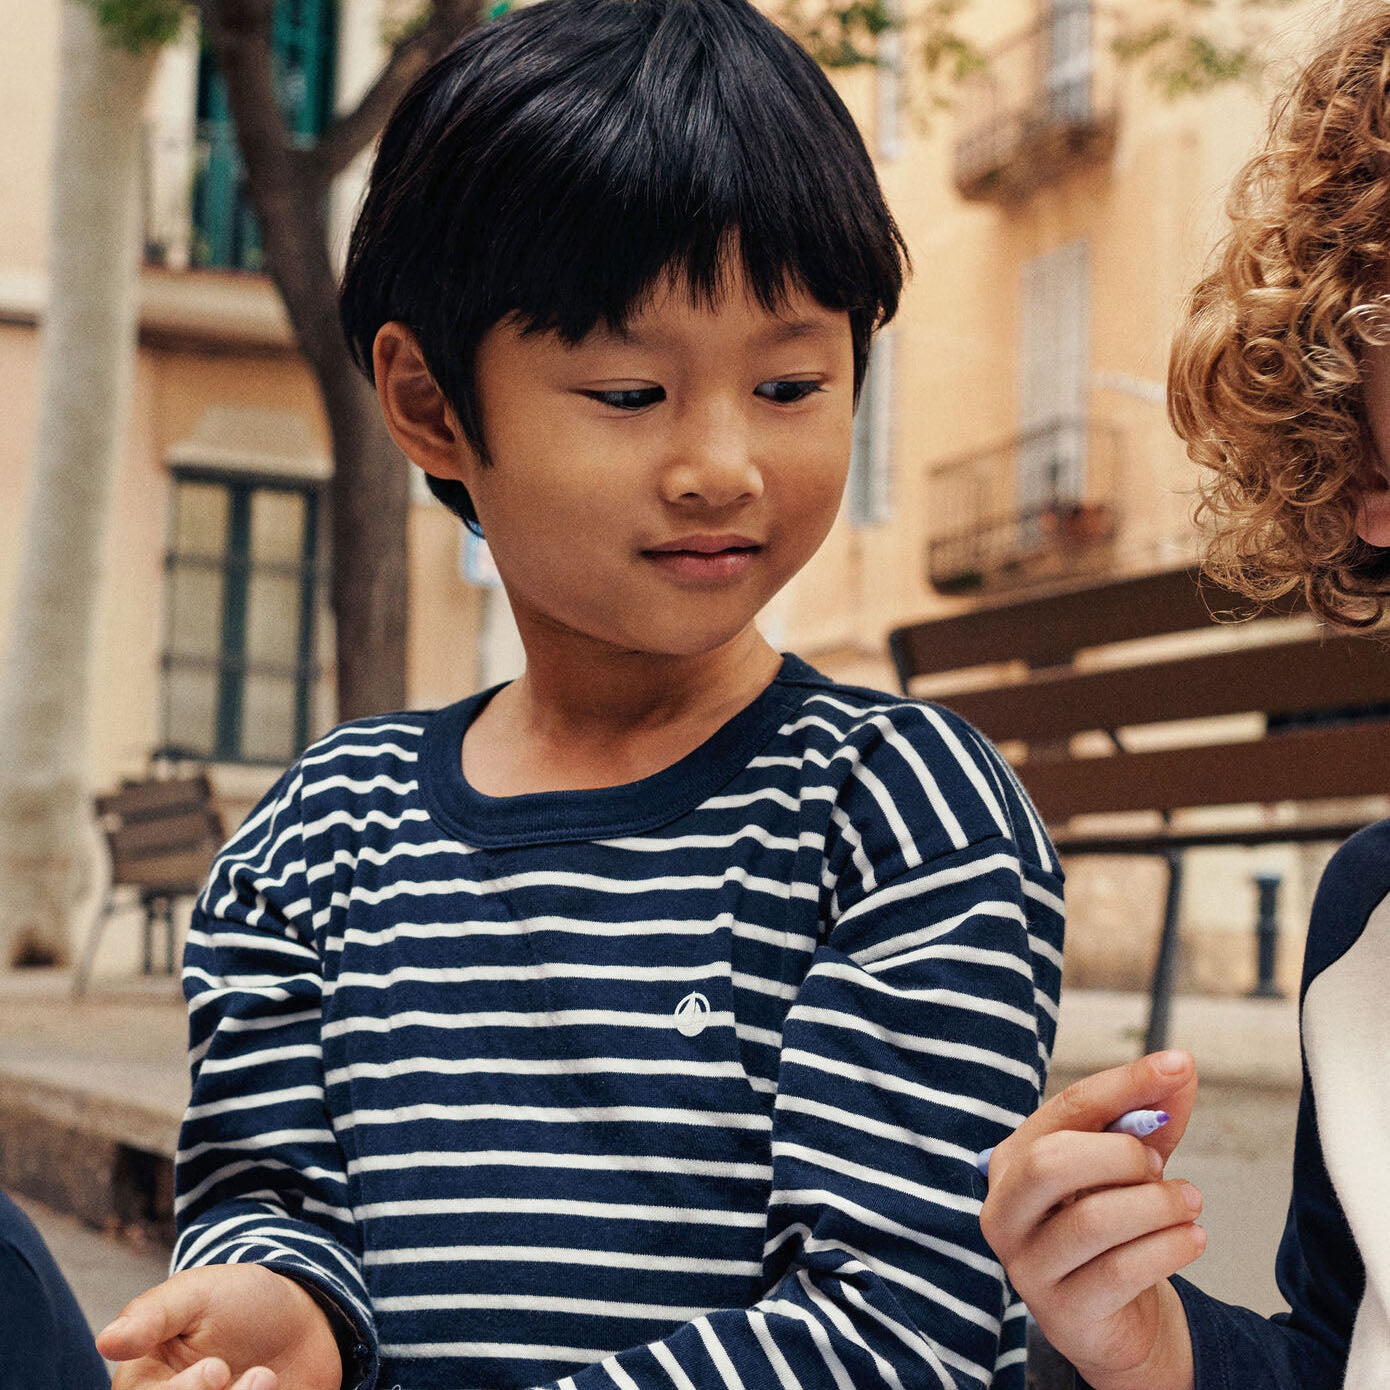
column 657, row 197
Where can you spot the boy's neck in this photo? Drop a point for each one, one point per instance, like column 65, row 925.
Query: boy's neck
column 602, row 695
column 569, row 724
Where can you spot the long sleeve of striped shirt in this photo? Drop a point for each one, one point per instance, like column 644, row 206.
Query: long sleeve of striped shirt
column 674, row 1084
column 260, row 1173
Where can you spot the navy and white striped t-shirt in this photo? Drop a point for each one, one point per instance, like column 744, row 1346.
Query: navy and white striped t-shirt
column 670, row 1084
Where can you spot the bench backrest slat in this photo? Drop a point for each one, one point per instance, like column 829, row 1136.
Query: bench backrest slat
column 1050, row 629
column 169, row 834
column 1276, row 678
column 1298, row 765
column 137, row 800
column 181, row 872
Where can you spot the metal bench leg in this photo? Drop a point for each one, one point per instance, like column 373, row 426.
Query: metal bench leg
column 1165, row 966
column 168, row 936
column 149, row 906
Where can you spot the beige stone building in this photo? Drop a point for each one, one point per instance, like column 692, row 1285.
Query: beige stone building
column 1058, row 217
column 1026, row 365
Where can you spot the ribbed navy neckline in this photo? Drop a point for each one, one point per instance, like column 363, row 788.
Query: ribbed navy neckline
column 630, row 808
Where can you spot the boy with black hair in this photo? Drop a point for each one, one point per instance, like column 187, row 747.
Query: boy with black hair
column 634, row 1023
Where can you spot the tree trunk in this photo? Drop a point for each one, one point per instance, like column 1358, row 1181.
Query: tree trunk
column 370, row 492
column 87, row 361
column 370, row 505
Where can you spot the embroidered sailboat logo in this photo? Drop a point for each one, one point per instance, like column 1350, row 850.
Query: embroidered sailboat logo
column 691, row 1014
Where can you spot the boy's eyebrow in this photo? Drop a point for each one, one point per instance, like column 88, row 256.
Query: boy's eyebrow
column 785, row 331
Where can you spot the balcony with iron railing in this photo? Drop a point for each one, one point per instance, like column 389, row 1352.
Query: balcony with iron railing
column 198, row 234
column 1043, row 104
column 196, row 207
column 1039, row 507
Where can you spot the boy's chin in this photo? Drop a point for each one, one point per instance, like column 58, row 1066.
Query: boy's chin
column 685, row 641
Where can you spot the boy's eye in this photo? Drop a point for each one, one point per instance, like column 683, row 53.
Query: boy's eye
column 638, row 397
column 799, row 390
column 633, row 398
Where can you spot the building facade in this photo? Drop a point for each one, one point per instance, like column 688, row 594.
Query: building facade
column 1011, row 431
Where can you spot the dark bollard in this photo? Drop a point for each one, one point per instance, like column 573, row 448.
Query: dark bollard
column 1166, row 966
column 1267, row 935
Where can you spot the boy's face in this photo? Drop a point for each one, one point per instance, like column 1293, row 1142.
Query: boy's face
column 714, row 429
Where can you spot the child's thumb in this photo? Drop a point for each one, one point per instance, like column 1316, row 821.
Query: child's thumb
column 1162, row 1080
column 155, row 1317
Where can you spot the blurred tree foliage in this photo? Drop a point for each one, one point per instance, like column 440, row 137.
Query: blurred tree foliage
column 1183, row 47
column 1191, row 46
column 139, row 24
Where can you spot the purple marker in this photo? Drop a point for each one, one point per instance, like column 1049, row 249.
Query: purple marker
column 1137, row 1123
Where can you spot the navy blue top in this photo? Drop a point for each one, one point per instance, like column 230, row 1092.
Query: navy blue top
column 677, row 1083
column 46, row 1344
column 1320, row 1269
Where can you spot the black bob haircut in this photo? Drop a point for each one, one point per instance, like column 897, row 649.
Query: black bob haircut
column 558, row 163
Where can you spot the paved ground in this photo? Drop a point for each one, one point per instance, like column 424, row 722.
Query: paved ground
column 1239, row 1153
column 126, row 1045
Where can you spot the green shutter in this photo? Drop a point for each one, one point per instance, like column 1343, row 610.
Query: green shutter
column 303, row 52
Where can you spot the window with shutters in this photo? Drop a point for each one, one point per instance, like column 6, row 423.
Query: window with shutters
column 240, row 588
column 1054, row 348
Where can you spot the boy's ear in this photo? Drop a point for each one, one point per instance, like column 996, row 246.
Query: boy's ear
column 420, row 418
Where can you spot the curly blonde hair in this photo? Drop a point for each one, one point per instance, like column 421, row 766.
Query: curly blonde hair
column 1265, row 379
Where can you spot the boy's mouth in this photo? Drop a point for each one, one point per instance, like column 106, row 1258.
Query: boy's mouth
column 706, row 544
column 705, row 558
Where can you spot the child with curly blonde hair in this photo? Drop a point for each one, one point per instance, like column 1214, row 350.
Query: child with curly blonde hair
column 1280, row 385
column 1276, row 381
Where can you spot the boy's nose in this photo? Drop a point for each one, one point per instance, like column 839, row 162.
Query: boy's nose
column 717, row 469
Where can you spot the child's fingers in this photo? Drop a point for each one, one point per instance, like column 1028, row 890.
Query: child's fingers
column 153, row 1318
column 1162, row 1078
column 1105, row 1220
column 211, row 1373
column 1051, row 1170
column 258, row 1378
column 1101, row 1288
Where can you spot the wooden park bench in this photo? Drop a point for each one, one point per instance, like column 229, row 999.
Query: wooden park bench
column 1325, row 699
column 162, row 834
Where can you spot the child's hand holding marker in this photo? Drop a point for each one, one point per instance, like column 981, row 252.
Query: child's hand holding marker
column 1089, row 1231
